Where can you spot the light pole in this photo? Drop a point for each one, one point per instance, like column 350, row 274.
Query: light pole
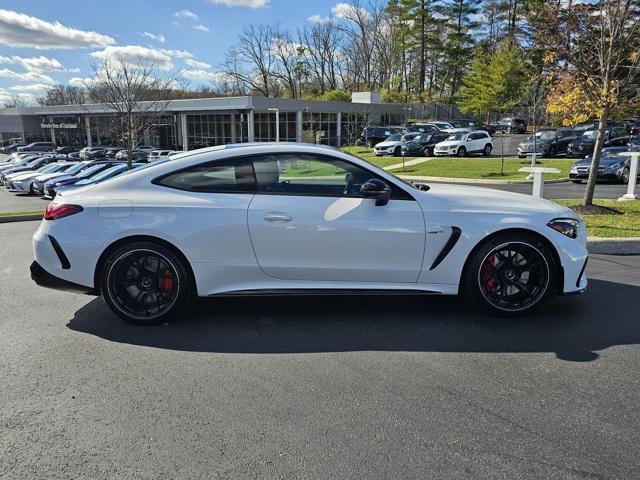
column 633, row 175
column 277, row 122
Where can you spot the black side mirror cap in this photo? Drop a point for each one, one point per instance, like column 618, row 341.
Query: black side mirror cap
column 376, row 188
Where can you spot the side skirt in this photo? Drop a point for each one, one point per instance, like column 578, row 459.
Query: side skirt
column 321, row 291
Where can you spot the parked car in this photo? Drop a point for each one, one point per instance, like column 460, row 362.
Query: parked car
column 423, row 146
column 146, row 148
column 92, row 153
column 17, row 159
column 12, row 147
column 23, row 182
column 505, row 264
column 634, row 129
column 66, row 150
column 111, row 152
column 548, row 142
column 38, row 147
column 473, row 125
column 136, row 155
column 373, row 135
column 94, row 168
column 442, row 125
column 583, row 127
column 422, row 128
column 512, row 125
column 32, row 165
column 393, row 144
column 106, row 174
column 160, row 155
column 613, row 166
column 583, row 145
column 74, row 156
column 464, row 142
column 37, row 186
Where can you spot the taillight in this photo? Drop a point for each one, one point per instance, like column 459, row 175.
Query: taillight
column 55, row 211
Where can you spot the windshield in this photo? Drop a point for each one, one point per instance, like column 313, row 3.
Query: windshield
column 52, row 167
column 108, row 173
column 75, row 168
column 590, row 135
column 457, row 136
column 394, row 138
column 91, row 171
column 544, row 135
column 583, row 127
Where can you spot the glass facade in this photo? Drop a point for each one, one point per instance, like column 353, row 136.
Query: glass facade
column 265, row 126
column 320, row 128
column 208, row 130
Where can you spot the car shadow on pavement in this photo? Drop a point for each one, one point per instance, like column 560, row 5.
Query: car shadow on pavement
column 573, row 328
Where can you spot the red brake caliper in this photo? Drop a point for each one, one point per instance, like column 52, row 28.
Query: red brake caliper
column 166, row 282
column 488, row 280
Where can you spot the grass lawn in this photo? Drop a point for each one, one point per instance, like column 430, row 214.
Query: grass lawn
column 467, row 167
column 625, row 223
column 23, row 212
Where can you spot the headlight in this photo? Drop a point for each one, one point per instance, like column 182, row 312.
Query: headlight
column 574, row 167
column 566, row 226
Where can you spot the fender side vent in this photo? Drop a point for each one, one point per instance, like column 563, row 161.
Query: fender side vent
column 64, row 261
column 453, row 239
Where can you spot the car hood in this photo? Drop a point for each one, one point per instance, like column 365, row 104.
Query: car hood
column 538, row 142
column 389, row 144
column 449, row 143
column 604, row 161
column 465, row 199
column 22, row 175
column 49, row 176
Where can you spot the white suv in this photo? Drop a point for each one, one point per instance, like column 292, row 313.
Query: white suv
column 464, row 141
column 393, row 145
column 160, row 154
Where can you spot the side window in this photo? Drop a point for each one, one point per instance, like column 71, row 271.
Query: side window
column 226, row 176
column 474, row 136
column 311, row 175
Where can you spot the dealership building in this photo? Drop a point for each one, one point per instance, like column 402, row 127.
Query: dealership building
column 196, row 123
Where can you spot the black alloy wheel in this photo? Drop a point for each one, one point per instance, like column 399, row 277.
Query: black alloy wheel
column 144, row 283
column 510, row 275
column 624, row 178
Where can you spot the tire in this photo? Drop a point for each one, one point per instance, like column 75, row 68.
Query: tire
column 487, row 150
column 553, row 151
column 427, row 152
column 624, row 178
column 134, row 289
column 397, row 152
column 577, row 181
column 509, row 275
column 462, row 152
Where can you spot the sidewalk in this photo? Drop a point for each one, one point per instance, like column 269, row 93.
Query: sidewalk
column 408, row 163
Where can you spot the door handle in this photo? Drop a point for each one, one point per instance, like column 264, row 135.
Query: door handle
column 277, row 217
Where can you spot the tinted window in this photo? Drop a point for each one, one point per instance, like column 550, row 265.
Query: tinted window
column 292, row 174
column 227, row 176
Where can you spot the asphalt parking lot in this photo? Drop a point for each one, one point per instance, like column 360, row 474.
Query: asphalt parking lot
column 320, row 387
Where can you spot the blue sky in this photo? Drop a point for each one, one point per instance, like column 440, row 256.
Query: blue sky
column 44, row 42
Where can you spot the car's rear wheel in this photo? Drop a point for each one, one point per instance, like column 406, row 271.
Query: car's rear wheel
column 462, row 152
column 509, row 275
column 553, row 151
column 487, row 150
column 144, row 283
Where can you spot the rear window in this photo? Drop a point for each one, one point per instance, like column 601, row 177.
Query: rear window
column 227, row 176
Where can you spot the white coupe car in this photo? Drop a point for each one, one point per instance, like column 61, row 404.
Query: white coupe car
column 295, row 218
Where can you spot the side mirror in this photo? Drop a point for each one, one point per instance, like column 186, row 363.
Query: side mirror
column 375, row 188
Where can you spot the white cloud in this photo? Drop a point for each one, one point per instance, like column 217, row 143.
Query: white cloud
column 197, row 64
column 241, row 3
column 186, row 14
column 319, row 19
column 135, row 55
column 201, row 28
column 348, row 11
column 21, row 30
column 34, row 87
column 177, row 53
column 157, row 37
column 26, row 76
column 202, row 75
column 79, row 82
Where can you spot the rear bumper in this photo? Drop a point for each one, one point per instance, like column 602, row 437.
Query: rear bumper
column 46, row 279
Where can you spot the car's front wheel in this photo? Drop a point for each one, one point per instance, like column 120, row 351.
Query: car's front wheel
column 509, row 275
column 144, row 283
column 462, row 151
column 624, row 177
column 487, row 150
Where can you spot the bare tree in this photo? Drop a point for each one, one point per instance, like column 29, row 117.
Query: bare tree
column 63, row 95
column 136, row 94
column 600, row 46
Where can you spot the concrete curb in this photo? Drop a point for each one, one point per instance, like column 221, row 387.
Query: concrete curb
column 480, row 181
column 21, row 218
column 614, row 246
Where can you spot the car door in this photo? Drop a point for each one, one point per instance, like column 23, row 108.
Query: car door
column 473, row 142
column 309, row 221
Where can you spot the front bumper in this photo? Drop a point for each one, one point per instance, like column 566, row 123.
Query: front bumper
column 19, row 187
